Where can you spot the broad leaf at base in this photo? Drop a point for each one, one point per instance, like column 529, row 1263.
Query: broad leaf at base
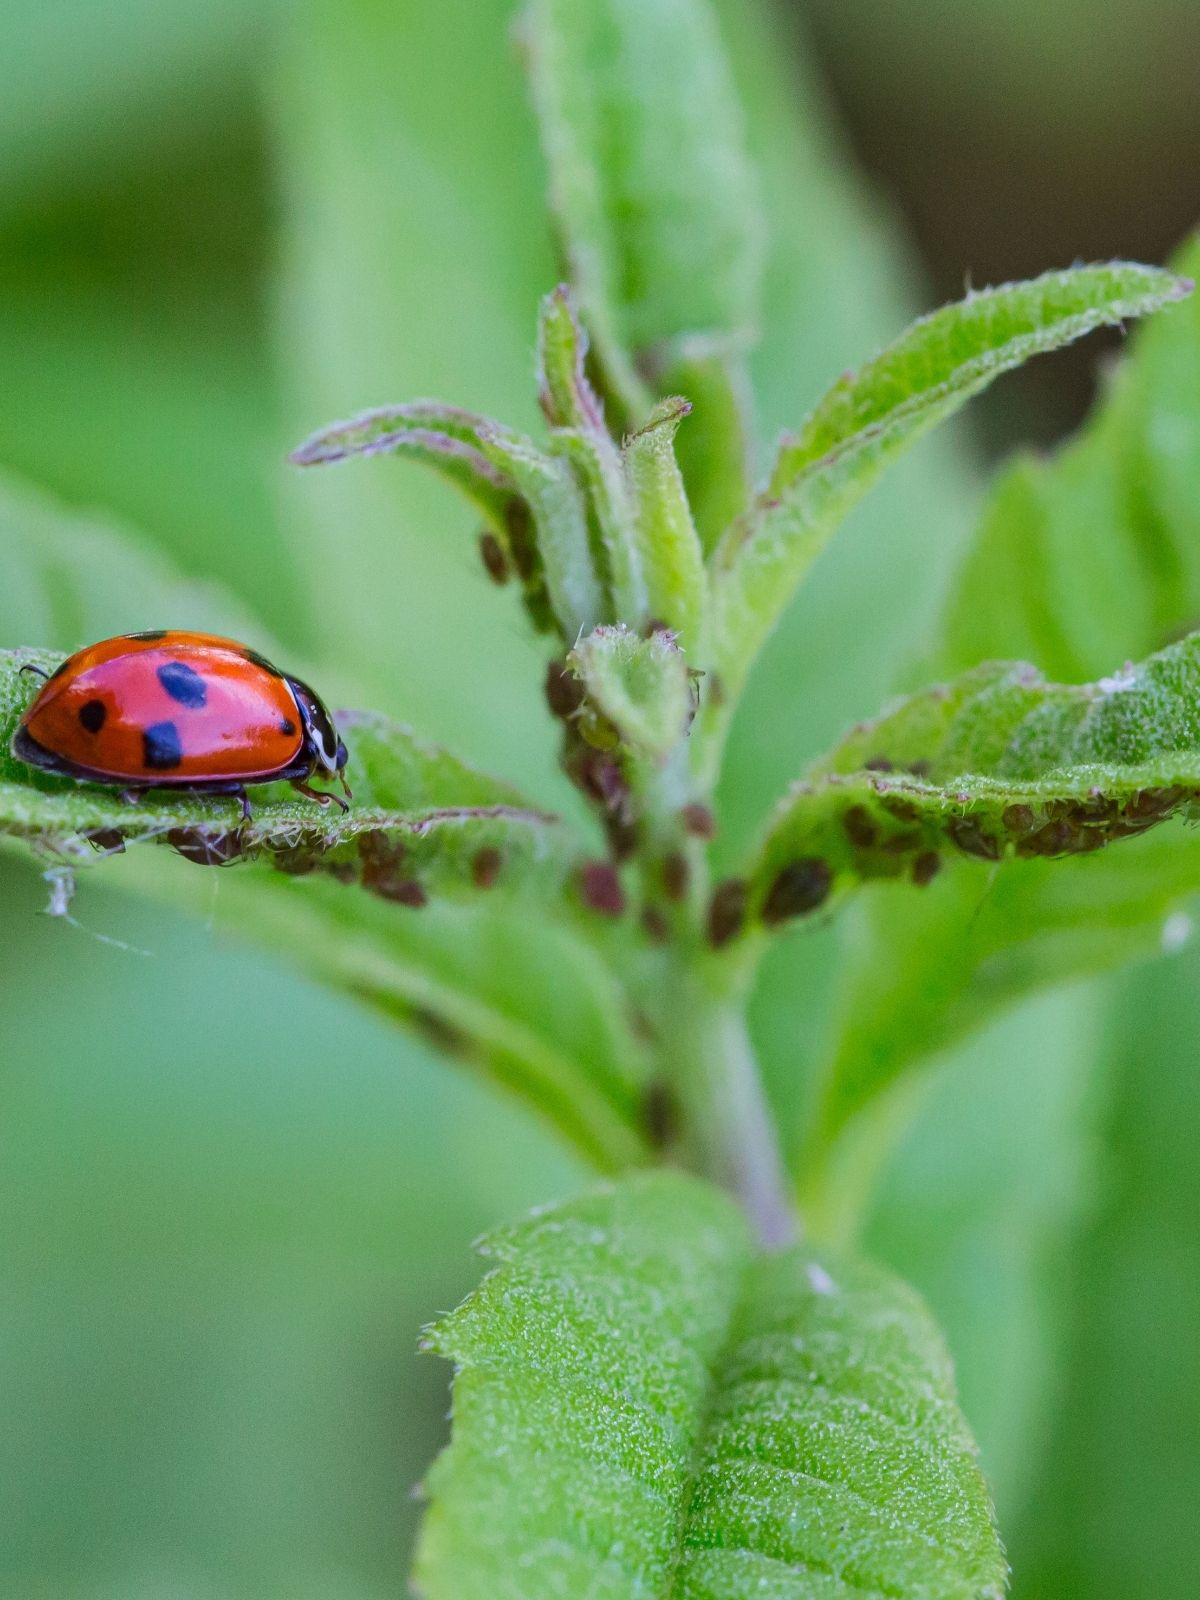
column 644, row 1407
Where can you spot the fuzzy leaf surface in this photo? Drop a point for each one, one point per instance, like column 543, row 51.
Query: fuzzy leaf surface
column 644, row 1407
column 871, row 416
column 579, row 431
column 1094, row 551
column 442, row 437
column 532, row 502
column 1080, row 558
column 640, row 685
column 997, row 765
column 672, row 559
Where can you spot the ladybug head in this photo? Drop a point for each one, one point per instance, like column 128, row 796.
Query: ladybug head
column 320, row 736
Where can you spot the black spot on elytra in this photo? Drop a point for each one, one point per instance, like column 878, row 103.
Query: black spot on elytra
column 261, row 661
column 92, row 714
column 162, row 748
column 183, row 683
column 287, row 726
column 151, row 633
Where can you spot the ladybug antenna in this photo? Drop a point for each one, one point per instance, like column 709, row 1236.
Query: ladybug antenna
column 29, row 666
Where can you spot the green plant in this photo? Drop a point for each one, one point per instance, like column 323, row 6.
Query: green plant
column 661, row 1390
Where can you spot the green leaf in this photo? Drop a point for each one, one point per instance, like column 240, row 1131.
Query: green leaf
column 1095, row 551
column 576, row 416
column 650, row 183
column 560, row 519
column 716, row 452
column 980, row 1208
column 566, row 396
column 832, row 292
column 530, row 499
column 659, row 210
column 925, row 970
column 676, row 582
column 997, row 765
column 421, row 821
column 1117, row 1467
column 442, row 437
column 507, row 477
column 643, row 1406
column 652, row 552
column 639, row 685
column 496, row 985
column 1079, row 558
column 519, row 995
column 870, row 417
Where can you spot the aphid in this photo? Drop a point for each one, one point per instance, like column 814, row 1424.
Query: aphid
column 495, row 561
column 676, row 875
column 727, row 911
column 859, row 828
column 926, row 867
column 698, row 820
column 601, row 888
column 797, row 889
column 174, row 710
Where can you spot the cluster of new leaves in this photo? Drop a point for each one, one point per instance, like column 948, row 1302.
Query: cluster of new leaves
column 718, row 1422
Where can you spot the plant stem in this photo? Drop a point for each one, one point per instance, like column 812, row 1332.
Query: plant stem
column 730, row 1134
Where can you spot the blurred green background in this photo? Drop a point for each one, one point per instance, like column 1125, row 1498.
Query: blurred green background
column 229, row 1199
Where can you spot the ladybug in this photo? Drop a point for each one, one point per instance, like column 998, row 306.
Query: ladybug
column 174, row 710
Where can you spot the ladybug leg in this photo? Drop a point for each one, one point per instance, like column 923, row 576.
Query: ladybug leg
column 243, row 800
column 315, row 794
column 28, row 666
column 131, row 797
column 346, row 789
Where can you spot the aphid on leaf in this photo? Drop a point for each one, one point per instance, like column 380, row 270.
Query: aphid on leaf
column 187, row 711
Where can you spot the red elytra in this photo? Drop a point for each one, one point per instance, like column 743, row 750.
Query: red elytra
column 174, row 710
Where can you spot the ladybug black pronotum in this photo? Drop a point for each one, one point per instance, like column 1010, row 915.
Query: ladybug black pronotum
column 173, row 710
